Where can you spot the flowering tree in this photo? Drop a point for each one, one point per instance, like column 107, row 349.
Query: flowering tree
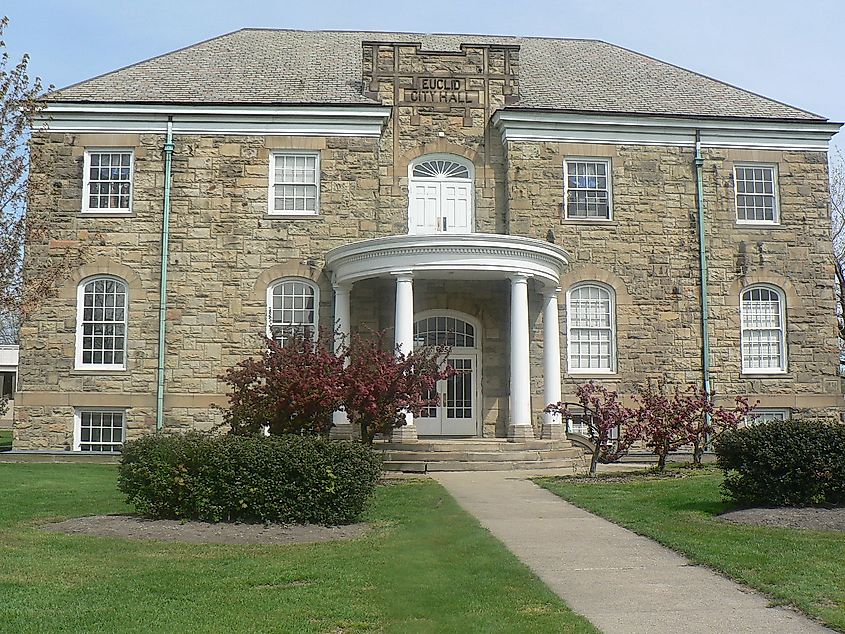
column 662, row 420
column 705, row 421
column 21, row 101
column 670, row 420
column 292, row 388
column 611, row 427
column 381, row 385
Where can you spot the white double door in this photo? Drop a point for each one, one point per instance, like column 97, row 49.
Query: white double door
column 456, row 415
column 440, row 207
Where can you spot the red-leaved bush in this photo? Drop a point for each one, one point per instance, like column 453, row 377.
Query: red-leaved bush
column 290, row 389
column 295, row 387
column 382, row 384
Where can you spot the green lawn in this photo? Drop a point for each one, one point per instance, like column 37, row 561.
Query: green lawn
column 5, row 439
column 798, row 567
column 427, row 567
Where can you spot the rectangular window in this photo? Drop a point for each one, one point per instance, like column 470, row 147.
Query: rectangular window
column 7, row 385
column 757, row 416
column 295, row 183
column 756, row 194
column 99, row 430
column 107, row 186
column 587, row 189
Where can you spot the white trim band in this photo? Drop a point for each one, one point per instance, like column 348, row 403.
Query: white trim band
column 366, row 121
column 521, row 125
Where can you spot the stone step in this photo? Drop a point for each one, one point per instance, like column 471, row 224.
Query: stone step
column 481, row 456
column 474, row 445
column 420, row 466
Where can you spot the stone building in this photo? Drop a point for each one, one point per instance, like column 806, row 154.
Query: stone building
column 535, row 203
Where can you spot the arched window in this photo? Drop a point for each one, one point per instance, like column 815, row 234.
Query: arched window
column 440, row 195
column 292, row 309
column 591, row 328
column 101, row 322
column 762, row 312
column 443, row 330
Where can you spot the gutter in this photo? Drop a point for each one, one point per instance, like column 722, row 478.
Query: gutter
column 162, row 303
column 702, row 259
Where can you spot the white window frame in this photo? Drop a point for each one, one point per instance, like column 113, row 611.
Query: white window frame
column 783, row 349
column 269, row 302
column 271, row 184
column 775, row 194
column 766, row 411
column 587, row 159
column 77, row 426
column 80, row 307
column 569, row 327
column 86, row 181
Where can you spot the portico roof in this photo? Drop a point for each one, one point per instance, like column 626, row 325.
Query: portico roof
column 459, row 256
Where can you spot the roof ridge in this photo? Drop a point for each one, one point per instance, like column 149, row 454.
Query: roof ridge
column 424, row 33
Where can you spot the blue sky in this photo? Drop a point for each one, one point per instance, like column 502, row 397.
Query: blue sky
column 790, row 51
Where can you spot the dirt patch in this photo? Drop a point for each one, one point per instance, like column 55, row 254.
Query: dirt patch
column 132, row 527
column 813, row 518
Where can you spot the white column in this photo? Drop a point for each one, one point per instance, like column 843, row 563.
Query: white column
column 404, row 337
column 342, row 326
column 520, row 405
column 552, row 423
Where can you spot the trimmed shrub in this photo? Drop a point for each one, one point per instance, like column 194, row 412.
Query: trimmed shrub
column 787, row 463
column 280, row 479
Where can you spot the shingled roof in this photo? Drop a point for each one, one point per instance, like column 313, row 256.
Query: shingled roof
column 272, row 67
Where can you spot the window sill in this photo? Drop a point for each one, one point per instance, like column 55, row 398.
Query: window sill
column 106, row 214
column 774, row 374
column 593, row 223
column 598, row 374
column 292, row 215
column 98, row 371
column 759, row 225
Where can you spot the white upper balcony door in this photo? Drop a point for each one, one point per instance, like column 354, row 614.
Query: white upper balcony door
column 440, row 193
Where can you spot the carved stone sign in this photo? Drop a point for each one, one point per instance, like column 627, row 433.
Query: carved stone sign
column 438, row 91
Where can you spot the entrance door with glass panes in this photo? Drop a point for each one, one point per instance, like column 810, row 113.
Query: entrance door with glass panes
column 457, row 411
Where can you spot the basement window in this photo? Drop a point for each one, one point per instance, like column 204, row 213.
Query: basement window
column 99, row 430
column 107, row 181
column 767, row 415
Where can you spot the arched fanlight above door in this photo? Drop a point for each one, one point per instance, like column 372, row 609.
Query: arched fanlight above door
column 440, row 169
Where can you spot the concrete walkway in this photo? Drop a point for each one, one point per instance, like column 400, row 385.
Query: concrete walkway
column 621, row 582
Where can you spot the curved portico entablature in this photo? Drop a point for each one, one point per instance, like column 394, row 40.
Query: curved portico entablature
column 468, row 256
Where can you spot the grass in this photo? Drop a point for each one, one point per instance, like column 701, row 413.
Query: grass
column 5, row 440
column 802, row 568
column 426, row 567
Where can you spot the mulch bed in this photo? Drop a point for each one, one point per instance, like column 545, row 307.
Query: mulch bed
column 133, row 527
column 813, row 518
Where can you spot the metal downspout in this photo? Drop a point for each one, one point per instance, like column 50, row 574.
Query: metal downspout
column 162, row 302
column 702, row 257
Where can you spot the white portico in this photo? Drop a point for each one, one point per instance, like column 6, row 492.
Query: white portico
column 530, row 265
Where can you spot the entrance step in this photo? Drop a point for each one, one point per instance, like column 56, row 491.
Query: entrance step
column 481, row 455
